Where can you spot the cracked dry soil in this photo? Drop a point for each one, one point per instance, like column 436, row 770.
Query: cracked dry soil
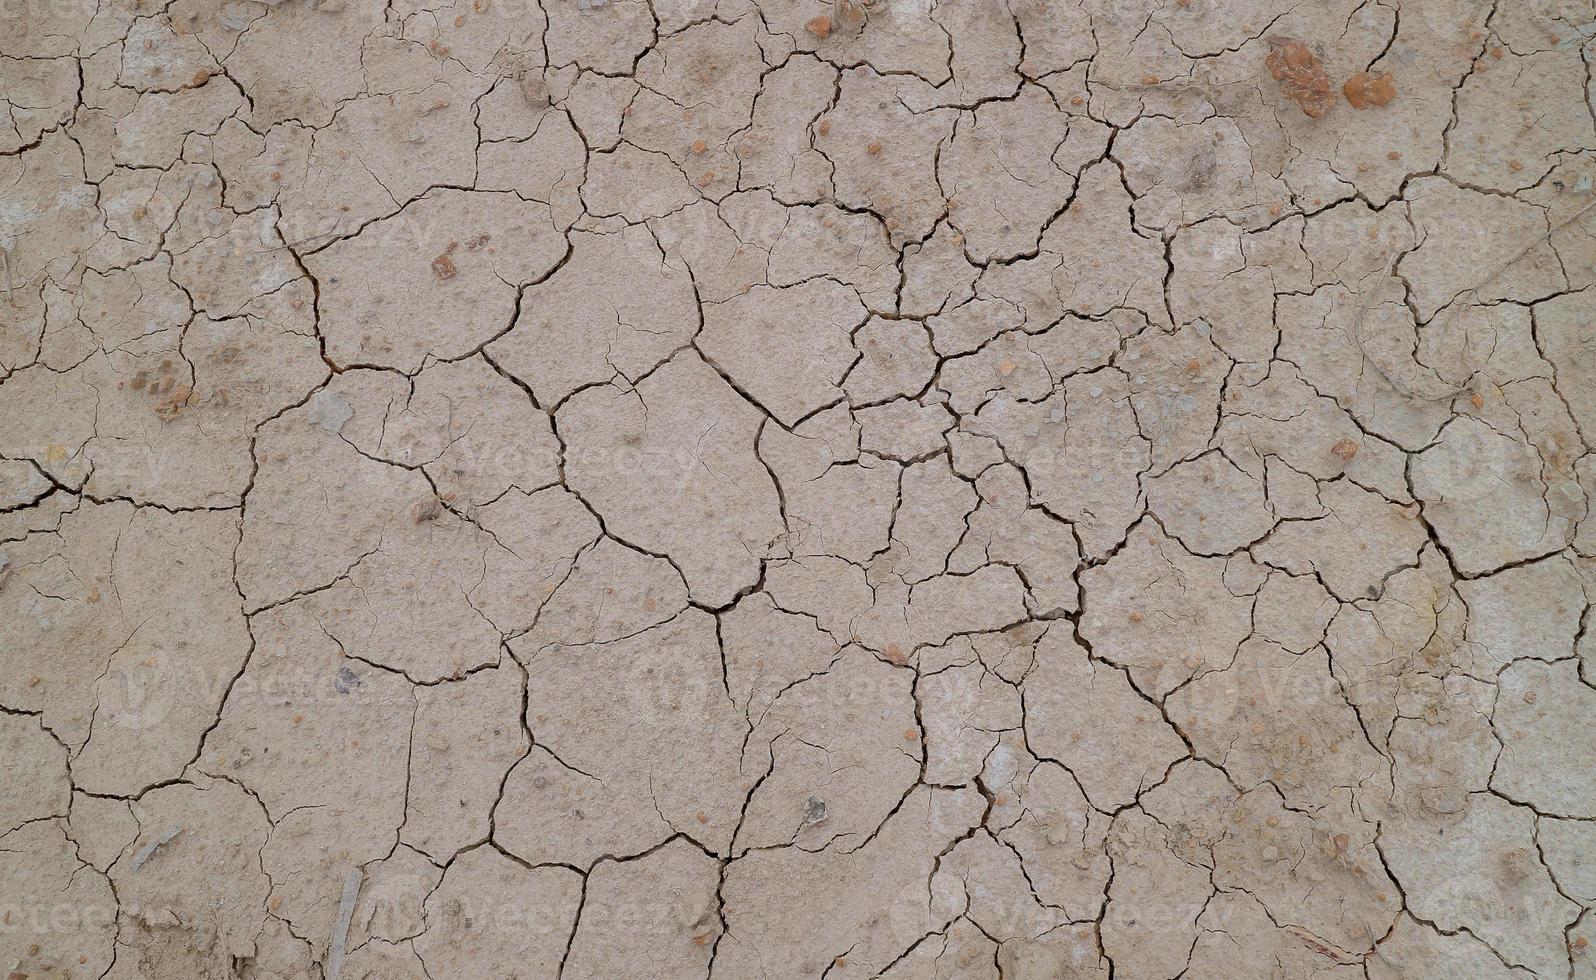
column 797, row 488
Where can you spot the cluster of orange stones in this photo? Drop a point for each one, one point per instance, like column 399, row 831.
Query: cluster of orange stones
column 850, row 14
column 1304, row 81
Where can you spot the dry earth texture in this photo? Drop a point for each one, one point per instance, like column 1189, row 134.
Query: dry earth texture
column 789, row 488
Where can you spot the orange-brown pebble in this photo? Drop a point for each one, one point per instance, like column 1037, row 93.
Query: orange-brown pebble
column 1367, row 89
column 873, row 148
column 699, row 146
column 1346, row 449
column 819, row 26
column 1136, row 616
column 1301, row 75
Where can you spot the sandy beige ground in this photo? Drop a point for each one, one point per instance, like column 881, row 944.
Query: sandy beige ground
column 790, row 488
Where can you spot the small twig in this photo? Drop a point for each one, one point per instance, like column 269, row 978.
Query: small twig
column 148, row 849
column 340, row 933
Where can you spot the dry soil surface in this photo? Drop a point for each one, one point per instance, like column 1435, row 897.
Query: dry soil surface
column 760, row 489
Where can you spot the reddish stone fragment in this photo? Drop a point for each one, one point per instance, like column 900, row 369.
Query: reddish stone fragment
column 1366, row 89
column 1301, row 75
